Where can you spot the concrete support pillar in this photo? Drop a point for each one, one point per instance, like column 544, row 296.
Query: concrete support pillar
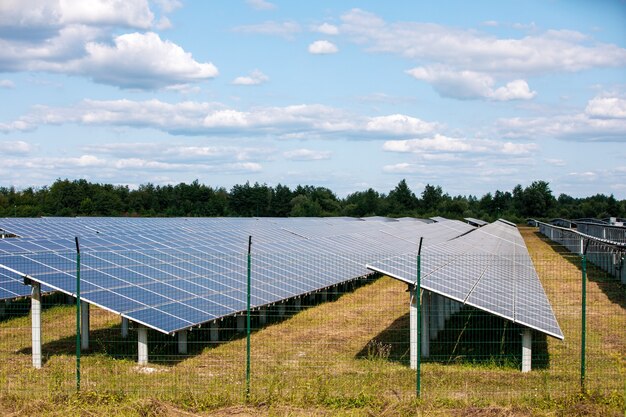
column 425, row 324
column 413, row 328
column 124, row 327
column 281, row 310
column 262, row 316
column 35, row 311
column 84, row 325
column 142, row 345
column 527, row 342
column 214, row 331
column 241, row 324
column 182, row 342
column 582, row 246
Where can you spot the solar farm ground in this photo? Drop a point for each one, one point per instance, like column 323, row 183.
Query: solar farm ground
column 347, row 356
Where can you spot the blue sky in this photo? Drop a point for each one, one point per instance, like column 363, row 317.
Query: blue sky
column 472, row 96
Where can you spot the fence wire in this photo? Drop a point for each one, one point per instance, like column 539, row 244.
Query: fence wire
column 345, row 344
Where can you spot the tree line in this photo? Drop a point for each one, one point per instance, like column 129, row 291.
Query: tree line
column 83, row 198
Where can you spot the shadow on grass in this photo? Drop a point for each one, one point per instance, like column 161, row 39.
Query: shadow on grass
column 163, row 348
column 469, row 337
column 608, row 284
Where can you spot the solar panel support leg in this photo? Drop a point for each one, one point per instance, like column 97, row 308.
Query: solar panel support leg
column 446, row 308
column 425, row 322
column 241, row 324
column 527, row 341
column 84, row 325
column 281, row 309
column 263, row 316
column 142, row 345
column 124, row 327
column 413, row 329
column 182, row 342
column 297, row 303
column 214, row 331
column 324, row 296
column 35, row 310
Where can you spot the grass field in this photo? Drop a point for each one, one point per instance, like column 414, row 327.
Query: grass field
column 348, row 356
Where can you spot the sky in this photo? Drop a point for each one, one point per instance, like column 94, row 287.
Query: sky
column 471, row 96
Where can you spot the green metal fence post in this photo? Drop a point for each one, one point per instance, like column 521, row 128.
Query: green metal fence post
column 583, row 340
column 248, row 323
column 78, row 315
column 418, row 302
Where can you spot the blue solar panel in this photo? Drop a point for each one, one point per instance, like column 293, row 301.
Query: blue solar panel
column 488, row 268
column 172, row 274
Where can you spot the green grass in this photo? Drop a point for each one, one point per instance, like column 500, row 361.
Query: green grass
column 347, row 357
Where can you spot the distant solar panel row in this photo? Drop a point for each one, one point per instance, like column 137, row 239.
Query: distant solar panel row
column 180, row 273
column 489, row 268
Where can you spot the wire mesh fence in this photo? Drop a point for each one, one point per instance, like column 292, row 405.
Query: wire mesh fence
column 347, row 343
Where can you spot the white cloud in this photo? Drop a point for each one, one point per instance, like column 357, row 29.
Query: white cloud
column 603, row 120
column 402, row 168
column 75, row 38
column 261, row 4
column 16, row 148
column 323, row 48
column 144, row 61
column 400, row 124
column 606, row 107
column 307, row 155
column 7, row 84
column 256, row 77
column 470, row 85
column 551, row 51
column 301, row 121
column 285, row 29
column 45, row 16
column 327, row 29
column 514, row 90
column 445, row 144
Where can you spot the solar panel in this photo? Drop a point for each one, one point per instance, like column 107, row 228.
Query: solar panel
column 173, row 274
column 488, row 268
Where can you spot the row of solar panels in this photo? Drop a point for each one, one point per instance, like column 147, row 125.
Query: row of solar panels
column 489, row 268
column 173, row 276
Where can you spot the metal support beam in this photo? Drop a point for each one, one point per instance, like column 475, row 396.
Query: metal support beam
column 297, row 304
column 527, row 350
column 35, row 311
column 142, row 345
column 84, row 325
column 281, row 309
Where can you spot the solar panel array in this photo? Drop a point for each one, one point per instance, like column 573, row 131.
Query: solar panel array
column 488, row 268
column 173, row 274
